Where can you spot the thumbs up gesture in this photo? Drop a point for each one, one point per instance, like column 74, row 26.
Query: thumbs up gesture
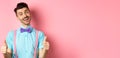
column 4, row 48
column 46, row 43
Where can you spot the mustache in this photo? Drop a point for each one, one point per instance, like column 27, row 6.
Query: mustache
column 26, row 17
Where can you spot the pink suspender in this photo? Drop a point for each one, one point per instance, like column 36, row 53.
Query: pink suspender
column 36, row 44
column 15, row 52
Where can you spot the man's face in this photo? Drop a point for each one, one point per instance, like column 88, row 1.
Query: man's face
column 24, row 16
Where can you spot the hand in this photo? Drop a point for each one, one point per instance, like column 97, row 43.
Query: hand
column 4, row 48
column 46, row 44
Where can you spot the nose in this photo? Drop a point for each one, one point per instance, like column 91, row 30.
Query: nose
column 25, row 14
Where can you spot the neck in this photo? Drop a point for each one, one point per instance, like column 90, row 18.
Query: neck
column 25, row 26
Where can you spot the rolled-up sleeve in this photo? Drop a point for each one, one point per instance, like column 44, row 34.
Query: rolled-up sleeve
column 40, row 39
column 9, row 40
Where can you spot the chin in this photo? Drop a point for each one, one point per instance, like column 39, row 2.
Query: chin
column 26, row 23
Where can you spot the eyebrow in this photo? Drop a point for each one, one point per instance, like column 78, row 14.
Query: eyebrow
column 26, row 10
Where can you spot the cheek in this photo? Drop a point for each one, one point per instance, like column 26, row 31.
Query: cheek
column 20, row 17
column 28, row 15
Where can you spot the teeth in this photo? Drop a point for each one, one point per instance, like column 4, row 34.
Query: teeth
column 25, row 18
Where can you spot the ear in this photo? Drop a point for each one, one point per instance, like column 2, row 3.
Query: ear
column 16, row 15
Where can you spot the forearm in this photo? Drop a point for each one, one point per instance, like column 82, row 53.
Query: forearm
column 42, row 53
column 7, row 55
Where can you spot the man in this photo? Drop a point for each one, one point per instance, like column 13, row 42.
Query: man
column 23, row 40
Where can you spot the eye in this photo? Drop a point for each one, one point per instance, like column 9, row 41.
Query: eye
column 27, row 12
column 20, row 13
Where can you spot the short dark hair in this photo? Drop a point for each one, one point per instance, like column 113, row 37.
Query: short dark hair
column 21, row 5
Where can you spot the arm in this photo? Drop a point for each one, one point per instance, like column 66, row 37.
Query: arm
column 6, row 48
column 6, row 51
column 8, row 54
column 42, row 51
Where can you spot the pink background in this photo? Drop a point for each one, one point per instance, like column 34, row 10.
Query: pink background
column 75, row 28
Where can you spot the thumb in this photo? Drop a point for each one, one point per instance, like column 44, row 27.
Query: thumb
column 45, row 39
column 5, row 44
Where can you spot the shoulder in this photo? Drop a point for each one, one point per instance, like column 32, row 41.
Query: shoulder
column 10, row 36
column 10, row 33
column 39, row 32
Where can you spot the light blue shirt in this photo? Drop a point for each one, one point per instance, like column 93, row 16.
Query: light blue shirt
column 25, row 42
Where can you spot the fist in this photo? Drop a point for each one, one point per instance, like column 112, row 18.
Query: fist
column 4, row 48
column 46, row 44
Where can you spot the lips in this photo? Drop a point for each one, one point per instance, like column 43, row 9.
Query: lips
column 26, row 19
